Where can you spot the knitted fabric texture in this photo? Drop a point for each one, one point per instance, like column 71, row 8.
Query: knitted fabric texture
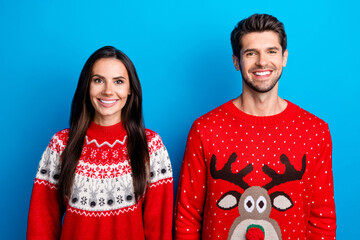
column 274, row 171
column 102, row 204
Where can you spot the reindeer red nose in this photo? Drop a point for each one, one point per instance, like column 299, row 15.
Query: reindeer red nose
column 255, row 232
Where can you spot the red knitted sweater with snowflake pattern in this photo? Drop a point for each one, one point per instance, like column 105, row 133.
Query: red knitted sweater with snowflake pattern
column 244, row 172
column 102, row 204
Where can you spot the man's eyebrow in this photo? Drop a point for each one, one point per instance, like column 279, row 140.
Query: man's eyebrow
column 250, row 50
column 274, row 48
column 255, row 50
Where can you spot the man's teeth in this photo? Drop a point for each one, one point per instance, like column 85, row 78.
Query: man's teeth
column 262, row 73
column 107, row 102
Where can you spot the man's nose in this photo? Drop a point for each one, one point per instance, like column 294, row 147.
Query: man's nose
column 262, row 59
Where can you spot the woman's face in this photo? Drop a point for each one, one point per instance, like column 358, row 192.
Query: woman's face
column 109, row 89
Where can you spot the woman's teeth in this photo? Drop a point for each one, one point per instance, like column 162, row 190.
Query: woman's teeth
column 107, row 102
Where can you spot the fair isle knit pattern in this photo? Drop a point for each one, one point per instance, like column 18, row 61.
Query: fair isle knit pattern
column 103, row 195
column 243, row 174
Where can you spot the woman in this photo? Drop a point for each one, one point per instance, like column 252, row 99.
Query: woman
column 116, row 178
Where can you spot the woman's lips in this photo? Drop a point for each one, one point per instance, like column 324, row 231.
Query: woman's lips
column 107, row 102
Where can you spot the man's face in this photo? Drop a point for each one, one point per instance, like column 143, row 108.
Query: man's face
column 261, row 60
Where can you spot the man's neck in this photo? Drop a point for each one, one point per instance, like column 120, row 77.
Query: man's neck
column 264, row 104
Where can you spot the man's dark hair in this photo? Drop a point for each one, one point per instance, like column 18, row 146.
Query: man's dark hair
column 257, row 23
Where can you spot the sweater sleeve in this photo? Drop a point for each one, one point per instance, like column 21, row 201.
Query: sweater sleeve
column 45, row 214
column 192, row 191
column 322, row 219
column 158, row 202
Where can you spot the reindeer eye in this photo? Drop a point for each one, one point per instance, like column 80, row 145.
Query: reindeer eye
column 261, row 204
column 249, row 204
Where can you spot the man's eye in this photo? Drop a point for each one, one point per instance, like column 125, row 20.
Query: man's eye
column 273, row 52
column 249, row 54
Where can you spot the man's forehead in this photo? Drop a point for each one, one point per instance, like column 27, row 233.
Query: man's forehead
column 260, row 40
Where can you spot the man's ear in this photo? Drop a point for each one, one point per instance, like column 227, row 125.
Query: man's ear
column 285, row 56
column 236, row 62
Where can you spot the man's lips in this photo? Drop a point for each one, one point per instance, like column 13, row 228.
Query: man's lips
column 263, row 73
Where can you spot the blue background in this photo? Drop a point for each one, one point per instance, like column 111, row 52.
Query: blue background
column 182, row 52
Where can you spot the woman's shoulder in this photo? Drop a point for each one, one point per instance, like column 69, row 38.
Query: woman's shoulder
column 150, row 134
column 154, row 140
column 59, row 140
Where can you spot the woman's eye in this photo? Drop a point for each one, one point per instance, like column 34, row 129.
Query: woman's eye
column 119, row 82
column 97, row 80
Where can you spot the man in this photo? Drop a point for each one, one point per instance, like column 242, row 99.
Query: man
column 257, row 167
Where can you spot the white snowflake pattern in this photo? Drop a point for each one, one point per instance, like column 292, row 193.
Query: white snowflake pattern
column 115, row 154
column 84, row 151
column 93, row 153
column 104, row 155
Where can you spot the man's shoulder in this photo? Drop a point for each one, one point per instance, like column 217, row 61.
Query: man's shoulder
column 214, row 114
column 308, row 118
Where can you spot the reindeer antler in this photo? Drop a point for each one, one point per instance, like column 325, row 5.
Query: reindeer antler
column 226, row 174
column 290, row 174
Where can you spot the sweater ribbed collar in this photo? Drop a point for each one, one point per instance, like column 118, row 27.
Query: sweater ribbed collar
column 282, row 117
column 107, row 133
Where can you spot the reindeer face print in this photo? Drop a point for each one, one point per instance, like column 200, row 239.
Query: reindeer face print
column 255, row 204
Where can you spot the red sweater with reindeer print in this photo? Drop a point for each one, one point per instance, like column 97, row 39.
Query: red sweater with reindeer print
column 102, row 204
column 244, row 175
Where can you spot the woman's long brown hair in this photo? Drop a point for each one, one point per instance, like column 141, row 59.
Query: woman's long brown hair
column 82, row 113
